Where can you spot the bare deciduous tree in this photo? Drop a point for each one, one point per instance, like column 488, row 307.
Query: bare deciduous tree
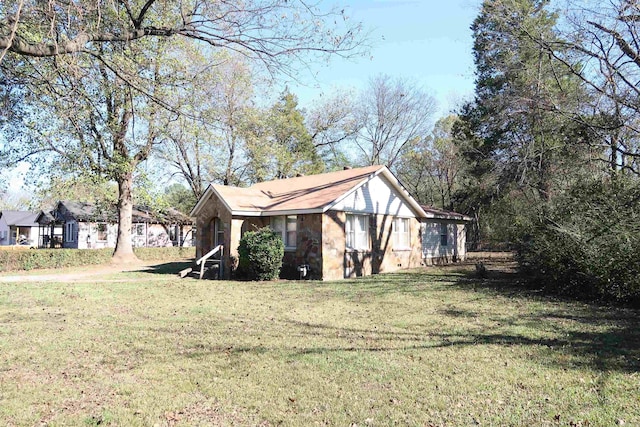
column 332, row 123
column 209, row 143
column 600, row 44
column 275, row 32
column 392, row 115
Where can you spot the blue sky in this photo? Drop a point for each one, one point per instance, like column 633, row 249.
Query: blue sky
column 428, row 41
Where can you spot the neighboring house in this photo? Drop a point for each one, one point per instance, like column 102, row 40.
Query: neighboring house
column 80, row 225
column 18, row 228
column 340, row 224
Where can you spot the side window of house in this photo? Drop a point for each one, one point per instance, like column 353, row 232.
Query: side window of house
column 69, row 232
column 357, row 231
column 444, row 235
column 401, row 234
column 287, row 227
column 292, row 231
column 174, row 233
column 139, row 230
column 101, row 232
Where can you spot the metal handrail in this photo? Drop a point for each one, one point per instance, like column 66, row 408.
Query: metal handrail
column 202, row 261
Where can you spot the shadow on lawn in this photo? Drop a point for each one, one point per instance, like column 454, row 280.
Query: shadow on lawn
column 614, row 351
column 169, row 268
column 606, row 338
column 617, row 349
column 568, row 334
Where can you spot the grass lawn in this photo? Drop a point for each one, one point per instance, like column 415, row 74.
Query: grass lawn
column 433, row 347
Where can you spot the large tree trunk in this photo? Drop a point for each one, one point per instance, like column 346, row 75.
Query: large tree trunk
column 123, row 254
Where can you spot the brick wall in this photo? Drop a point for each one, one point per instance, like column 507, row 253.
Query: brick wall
column 321, row 243
column 339, row 262
column 333, row 245
column 214, row 208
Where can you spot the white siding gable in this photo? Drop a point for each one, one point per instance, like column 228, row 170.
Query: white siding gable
column 376, row 196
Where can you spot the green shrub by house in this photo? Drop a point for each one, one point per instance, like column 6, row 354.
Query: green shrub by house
column 261, row 253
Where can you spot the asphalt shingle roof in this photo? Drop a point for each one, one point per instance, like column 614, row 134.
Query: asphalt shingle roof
column 20, row 218
column 299, row 193
column 88, row 212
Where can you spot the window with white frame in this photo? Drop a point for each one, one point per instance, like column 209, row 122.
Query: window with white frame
column 287, row 227
column 291, row 231
column 69, row 235
column 357, row 231
column 401, row 234
column 139, row 230
column 444, row 234
column 101, row 232
column 174, row 233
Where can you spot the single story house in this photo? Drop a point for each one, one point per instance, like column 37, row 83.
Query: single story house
column 18, row 228
column 80, row 225
column 339, row 224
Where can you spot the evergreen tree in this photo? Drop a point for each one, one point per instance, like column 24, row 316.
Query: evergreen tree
column 282, row 147
column 514, row 140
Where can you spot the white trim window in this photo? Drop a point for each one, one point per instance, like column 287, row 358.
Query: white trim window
column 174, row 232
column 101, row 232
column 444, row 234
column 69, row 235
column 287, row 227
column 356, row 231
column 139, row 229
column 401, row 233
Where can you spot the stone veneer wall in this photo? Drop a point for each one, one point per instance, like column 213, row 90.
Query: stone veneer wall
column 308, row 244
column 308, row 248
column 214, row 208
column 321, row 243
column 382, row 257
column 333, row 245
column 394, row 259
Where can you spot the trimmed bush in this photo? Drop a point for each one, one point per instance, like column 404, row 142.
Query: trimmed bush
column 261, row 253
column 15, row 260
column 52, row 258
column 165, row 254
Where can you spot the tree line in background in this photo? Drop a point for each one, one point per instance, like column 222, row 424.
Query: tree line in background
column 545, row 157
column 549, row 146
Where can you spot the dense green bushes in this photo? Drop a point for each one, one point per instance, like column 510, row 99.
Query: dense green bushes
column 160, row 254
column 14, row 260
column 51, row 258
column 261, row 253
column 589, row 242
